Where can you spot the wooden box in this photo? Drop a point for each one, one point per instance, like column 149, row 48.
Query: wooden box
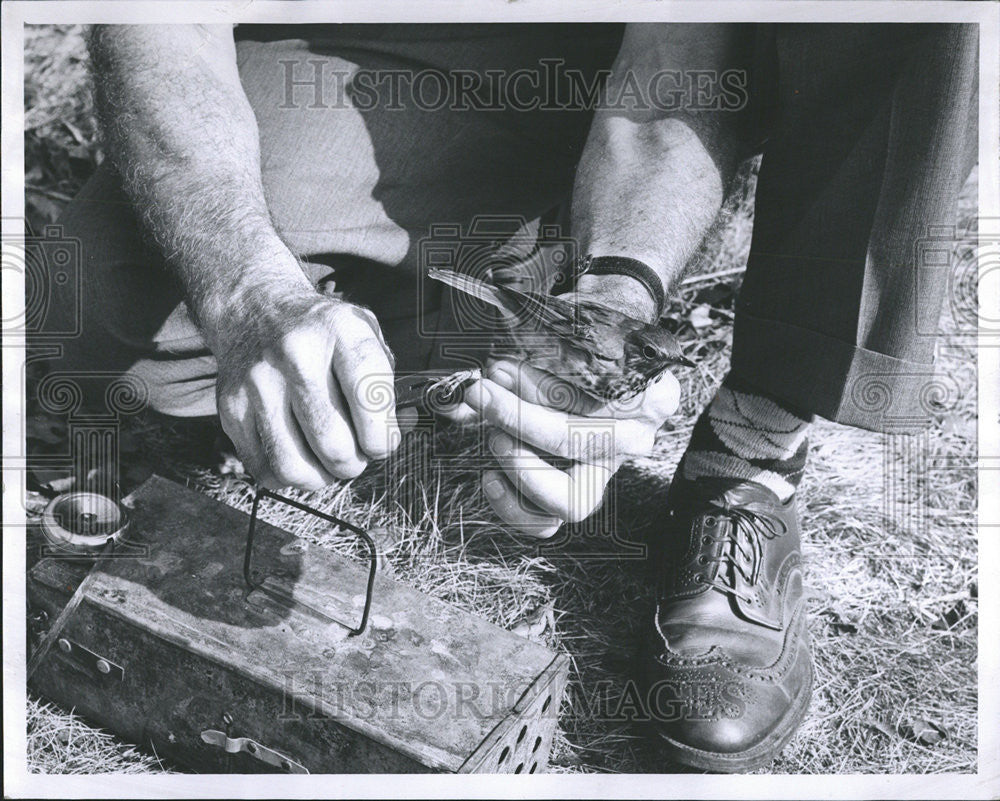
column 169, row 648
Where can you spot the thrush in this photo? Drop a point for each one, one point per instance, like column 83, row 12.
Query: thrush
column 607, row 354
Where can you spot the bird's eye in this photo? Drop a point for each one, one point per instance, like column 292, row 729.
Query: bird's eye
column 650, row 352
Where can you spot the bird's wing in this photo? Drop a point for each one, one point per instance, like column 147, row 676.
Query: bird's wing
column 494, row 296
column 585, row 324
column 592, row 326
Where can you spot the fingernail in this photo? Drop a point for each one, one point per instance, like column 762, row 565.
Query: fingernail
column 493, row 489
column 501, row 444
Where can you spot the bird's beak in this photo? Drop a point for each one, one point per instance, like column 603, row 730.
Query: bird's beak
column 685, row 361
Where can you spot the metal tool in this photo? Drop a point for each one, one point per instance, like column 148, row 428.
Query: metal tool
column 81, row 524
column 434, row 392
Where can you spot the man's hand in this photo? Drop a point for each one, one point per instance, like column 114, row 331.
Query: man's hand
column 557, row 448
column 294, row 367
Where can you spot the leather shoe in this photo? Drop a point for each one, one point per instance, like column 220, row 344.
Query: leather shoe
column 729, row 673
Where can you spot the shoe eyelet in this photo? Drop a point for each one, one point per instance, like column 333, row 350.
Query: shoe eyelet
column 706, row 539
column 698, row 578
column 710, row 522
column 702, row 560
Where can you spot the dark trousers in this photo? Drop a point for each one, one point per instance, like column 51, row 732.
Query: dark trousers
column 870, row 132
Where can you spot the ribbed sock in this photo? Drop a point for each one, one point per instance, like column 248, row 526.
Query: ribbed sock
column 746, row 435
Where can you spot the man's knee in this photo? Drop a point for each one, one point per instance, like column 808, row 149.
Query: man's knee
column 109, row 307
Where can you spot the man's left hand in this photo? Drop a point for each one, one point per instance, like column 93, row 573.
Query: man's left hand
column 557, row 448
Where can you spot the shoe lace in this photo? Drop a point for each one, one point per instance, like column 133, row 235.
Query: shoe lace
column 743, row 544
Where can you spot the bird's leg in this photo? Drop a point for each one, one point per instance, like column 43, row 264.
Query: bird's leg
column 449, row 391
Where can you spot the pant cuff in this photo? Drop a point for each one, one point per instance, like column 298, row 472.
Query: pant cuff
column 840, row 381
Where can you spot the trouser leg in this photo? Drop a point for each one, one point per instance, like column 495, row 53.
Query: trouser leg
column 874, row 134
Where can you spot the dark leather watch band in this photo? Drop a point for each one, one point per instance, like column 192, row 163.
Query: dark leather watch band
column 633, row 268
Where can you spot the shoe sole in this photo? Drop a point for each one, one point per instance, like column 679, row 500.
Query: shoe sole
column 758, row 756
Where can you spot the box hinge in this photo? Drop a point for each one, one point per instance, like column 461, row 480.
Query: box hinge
column 92, row 663
column 236, row 745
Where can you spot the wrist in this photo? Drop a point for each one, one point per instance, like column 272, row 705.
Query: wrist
column 620, row 292
column 247, row 297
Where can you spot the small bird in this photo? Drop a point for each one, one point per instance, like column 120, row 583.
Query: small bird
column 607, row 354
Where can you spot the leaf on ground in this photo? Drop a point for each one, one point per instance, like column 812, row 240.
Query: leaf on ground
column 50, row 210
column 881, row 726
column 839, row 622
column 716, row 295
column 700, row 317
column 919, row 730
column 952, row 617
column 959, row 425
column 535, row 624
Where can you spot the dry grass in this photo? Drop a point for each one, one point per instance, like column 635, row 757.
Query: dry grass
column 59, row 742
column 891, row 561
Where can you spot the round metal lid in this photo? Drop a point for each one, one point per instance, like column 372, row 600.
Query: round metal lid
column 82, row 522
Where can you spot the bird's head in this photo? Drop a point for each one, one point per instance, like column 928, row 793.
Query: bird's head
column 653, row 349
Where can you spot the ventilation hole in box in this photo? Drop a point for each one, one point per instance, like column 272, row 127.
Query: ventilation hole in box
column 504, row 754
column 519, row 768
column 538, row 742
column 533, row 768
column 524, row 731
column 546, row 704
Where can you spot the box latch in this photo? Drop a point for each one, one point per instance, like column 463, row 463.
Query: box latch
column 236, row 745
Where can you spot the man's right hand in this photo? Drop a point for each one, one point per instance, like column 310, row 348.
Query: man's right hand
column 294, row 367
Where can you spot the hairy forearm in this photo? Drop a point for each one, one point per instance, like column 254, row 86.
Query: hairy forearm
column 648, row 191
column 180, row 131
column 650, row 183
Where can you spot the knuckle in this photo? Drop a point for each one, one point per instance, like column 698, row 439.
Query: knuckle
column 261, row 374
column 296, row 344
column 334, row 442
column 363, row 351
column 379, row 450
column 233, row 408
column 350, row 324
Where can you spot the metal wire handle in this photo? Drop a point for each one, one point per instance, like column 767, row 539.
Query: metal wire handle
column 372, row 563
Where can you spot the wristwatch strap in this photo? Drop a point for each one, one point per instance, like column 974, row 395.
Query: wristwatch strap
column 633, row 268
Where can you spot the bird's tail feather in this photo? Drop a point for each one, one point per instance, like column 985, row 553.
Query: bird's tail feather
column 473, row 286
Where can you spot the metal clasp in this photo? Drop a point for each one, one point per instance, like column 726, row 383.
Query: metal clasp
column 88, row 660
column 248, row 558
column 236, row 745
